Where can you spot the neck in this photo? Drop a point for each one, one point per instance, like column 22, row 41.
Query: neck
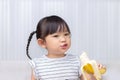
column 55, row 55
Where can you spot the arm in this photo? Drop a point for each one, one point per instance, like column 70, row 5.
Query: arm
column 89, row 77
column 32, row 76
column 81, row 77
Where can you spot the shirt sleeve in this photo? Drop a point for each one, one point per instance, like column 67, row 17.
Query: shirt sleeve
column 33, row 66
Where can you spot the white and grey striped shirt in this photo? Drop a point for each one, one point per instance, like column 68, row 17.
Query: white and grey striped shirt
column 65, row 68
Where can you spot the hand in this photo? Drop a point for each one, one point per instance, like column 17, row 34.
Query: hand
column 90, row 76
column 101, row 68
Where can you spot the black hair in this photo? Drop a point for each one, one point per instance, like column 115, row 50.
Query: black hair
column 47, row 25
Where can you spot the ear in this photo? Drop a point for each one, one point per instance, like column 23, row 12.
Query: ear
column 41, row 42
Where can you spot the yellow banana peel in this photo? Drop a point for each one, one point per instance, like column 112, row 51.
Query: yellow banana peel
column 91, row 67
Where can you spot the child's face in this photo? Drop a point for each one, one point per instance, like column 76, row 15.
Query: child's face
column 58, row 43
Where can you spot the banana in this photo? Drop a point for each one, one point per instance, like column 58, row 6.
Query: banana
column 103, row 70
column 91, row 67
column 88, row 68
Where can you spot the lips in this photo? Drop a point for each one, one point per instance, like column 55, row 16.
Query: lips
column 64, row 46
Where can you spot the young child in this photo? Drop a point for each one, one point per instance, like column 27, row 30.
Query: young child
column 53, row 34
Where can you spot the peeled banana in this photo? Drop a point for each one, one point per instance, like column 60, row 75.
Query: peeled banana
column 91, row 67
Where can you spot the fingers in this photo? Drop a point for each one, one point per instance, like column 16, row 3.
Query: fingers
column 100, row 66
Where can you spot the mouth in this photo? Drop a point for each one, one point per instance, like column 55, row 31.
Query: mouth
column 64, row 46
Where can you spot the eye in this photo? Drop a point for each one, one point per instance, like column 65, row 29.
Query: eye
column 55, row 35
column 67, row 34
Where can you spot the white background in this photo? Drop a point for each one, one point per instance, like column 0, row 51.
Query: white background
column 95, row 27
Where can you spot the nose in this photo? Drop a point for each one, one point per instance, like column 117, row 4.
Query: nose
column 63, row 39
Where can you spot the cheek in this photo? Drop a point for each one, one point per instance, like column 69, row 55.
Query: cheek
column 69, row 42
column 52, row 43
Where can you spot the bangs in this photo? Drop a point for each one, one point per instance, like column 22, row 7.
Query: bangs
column 57, row 27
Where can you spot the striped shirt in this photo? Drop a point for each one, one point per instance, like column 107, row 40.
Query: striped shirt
column 65, row 68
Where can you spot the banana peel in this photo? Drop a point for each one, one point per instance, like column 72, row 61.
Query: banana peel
column 91, row 67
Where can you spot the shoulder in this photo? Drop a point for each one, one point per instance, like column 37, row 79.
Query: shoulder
column 35, row 61
column 72, row 56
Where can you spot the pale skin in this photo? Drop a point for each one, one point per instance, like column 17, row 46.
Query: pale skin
column 57, row 44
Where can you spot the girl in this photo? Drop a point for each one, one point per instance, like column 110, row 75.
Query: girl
column 54, row 35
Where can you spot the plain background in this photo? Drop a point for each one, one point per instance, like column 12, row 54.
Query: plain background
column 95, row 27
